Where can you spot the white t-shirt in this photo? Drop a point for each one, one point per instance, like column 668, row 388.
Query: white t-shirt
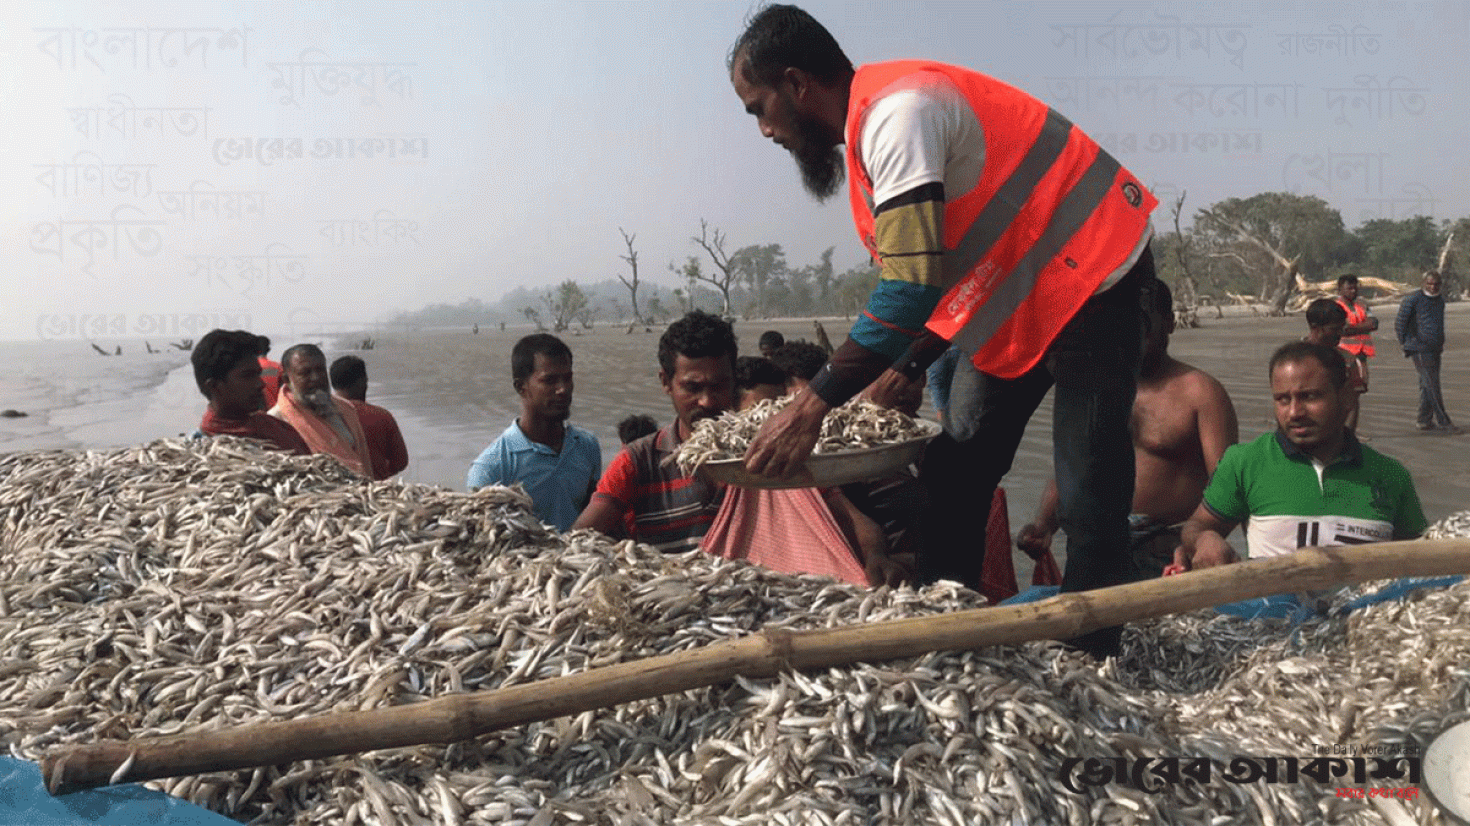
column 921, row 135
column 927, row 133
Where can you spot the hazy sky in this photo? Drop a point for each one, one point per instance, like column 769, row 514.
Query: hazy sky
column 172, row 166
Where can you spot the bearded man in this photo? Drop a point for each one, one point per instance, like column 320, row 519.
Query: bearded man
column 328, row 424
column 999, row 228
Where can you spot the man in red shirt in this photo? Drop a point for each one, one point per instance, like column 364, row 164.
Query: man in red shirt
column 228, row 374
column 671, row 511
column 385, row 440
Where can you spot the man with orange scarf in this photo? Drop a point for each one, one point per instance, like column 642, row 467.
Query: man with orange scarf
column 328, row 424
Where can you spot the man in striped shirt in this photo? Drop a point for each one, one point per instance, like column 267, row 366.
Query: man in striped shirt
column 671, row 511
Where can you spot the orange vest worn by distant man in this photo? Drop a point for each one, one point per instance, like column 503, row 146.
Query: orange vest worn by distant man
column 270, row 375
column 1050, row 220
column 1357, row 315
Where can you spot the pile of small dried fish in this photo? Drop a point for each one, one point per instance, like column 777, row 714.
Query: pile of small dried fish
column 855, row 425
column 180, row 586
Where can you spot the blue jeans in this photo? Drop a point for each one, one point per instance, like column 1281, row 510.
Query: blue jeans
column 1093, row 365
column 1431, row 398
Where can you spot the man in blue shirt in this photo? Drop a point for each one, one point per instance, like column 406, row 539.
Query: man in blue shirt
column 557, row 463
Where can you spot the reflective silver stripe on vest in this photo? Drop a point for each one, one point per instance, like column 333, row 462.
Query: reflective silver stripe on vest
column 1005, row 205
column 1066, row 220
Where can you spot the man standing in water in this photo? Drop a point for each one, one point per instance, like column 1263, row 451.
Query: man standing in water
column 1000, row 228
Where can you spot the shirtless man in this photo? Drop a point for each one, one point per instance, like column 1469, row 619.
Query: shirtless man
column 1182, row 422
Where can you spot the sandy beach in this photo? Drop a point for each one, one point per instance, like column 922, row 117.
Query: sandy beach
column 451, row 392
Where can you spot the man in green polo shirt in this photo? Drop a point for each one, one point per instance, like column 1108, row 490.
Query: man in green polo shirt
column 1310, row 483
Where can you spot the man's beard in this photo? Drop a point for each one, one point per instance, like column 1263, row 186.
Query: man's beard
column 320, row 403
column 822, row 164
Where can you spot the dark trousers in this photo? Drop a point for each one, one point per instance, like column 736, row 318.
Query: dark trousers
column 1093, row 365
column 1431, row 399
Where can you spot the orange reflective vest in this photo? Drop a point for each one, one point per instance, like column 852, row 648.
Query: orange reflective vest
column 270, row 374
column 1051, row 217
column 1359, row 344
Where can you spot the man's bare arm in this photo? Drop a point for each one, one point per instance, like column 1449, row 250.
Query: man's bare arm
column 867, row 538
column 1202, row 541
column 601, row 515
column 1218, row 426
column 1034, row 538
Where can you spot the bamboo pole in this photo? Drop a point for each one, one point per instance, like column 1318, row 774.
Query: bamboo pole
column 465, row 716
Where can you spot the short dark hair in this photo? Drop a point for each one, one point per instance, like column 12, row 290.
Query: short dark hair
column 1163, row 297
column 217, row 353
column 800, row 359
column 265, row 344
column 697, row 335
column 1325, row 311
column 753, row 370
column 636, row 427
column 297, row 349
column 771, row 338
column 523, row 355
column 1328, row 357
column 781, row 37
column 347, row 371
column 1346, row 278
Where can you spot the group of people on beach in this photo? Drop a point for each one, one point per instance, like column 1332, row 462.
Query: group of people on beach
column 296, row 404
column 1015, row 261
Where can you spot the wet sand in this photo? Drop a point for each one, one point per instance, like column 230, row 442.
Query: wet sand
column 452, row 395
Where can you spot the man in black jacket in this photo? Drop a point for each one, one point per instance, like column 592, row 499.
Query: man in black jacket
column 1420, row 329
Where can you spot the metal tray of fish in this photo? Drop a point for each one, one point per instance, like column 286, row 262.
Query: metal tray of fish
column 827, row 469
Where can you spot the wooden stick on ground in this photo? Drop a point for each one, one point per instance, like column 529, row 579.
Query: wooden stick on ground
column 465, row 716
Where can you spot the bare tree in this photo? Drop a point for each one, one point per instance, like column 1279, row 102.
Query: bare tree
column 1189, row 292
column 726, row 270
column 1283, row 284
column 631, row 284
column 1450, row 282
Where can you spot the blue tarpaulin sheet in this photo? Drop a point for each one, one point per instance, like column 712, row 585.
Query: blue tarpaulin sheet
column 1281, row 606
column 25, row 802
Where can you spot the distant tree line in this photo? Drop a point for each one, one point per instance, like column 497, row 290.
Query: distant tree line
column 1264, row 247
column 1259, row 249
column 751, row 282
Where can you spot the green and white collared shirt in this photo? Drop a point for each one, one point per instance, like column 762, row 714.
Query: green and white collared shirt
column 1290, row 500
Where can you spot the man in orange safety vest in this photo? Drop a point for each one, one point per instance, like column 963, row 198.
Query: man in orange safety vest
column 1000, row 228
